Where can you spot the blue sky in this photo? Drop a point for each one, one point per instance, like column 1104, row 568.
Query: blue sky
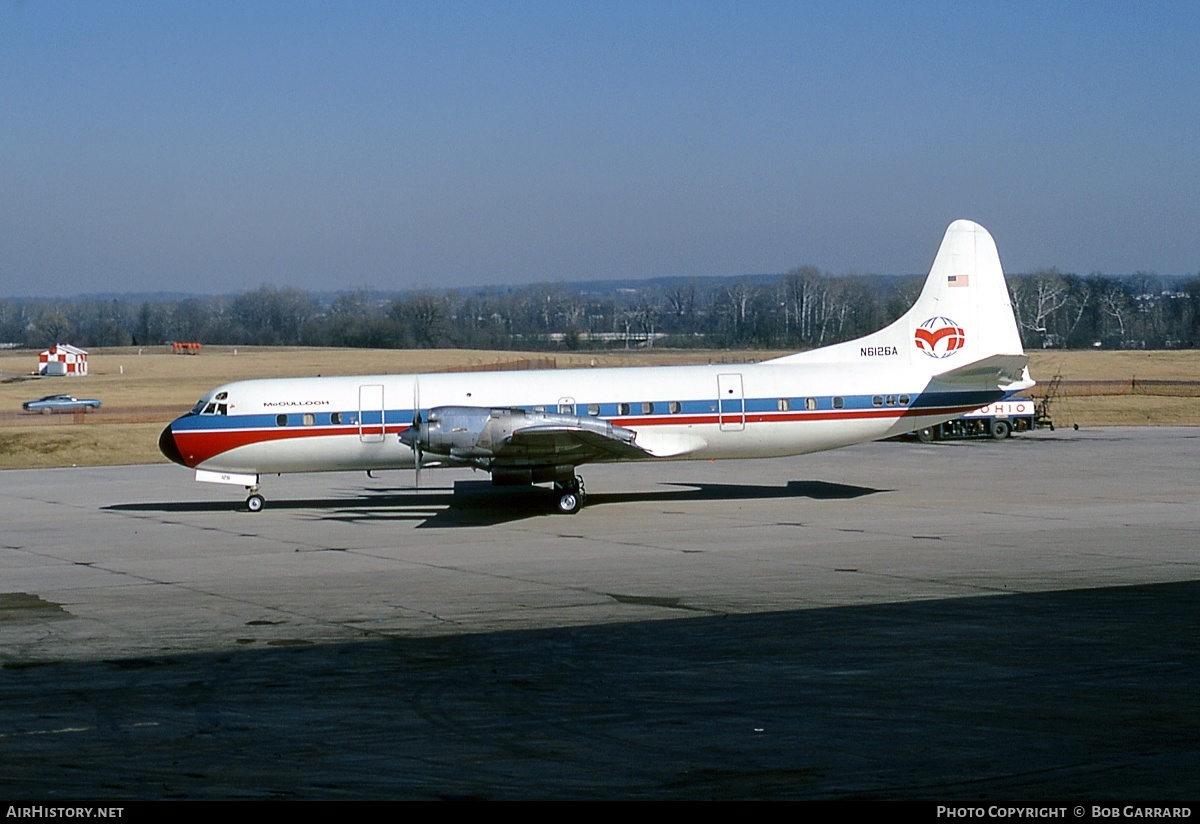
column 219, row 146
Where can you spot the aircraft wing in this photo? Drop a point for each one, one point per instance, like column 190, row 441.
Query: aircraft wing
column 517, row 437
column 568, row 442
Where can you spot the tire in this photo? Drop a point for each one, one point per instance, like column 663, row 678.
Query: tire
column 1000, row 430
column 255, row 503
column 569, row 503
column 925, row 435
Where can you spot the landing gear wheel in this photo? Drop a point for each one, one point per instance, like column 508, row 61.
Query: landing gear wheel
column 1000, row 430
column 570, row 495
column 925, row 435
column 255, row 502
column 570, row 502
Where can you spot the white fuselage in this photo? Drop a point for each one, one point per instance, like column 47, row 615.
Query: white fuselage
column 692, row 412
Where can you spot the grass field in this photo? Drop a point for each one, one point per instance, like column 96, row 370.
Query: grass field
column 143, row 389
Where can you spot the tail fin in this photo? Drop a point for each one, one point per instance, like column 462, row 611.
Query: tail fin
column 963, row 315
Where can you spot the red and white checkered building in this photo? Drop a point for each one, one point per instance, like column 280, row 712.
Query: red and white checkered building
column 63, row 359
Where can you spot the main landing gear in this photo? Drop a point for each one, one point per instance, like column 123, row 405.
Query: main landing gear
column 570, row 494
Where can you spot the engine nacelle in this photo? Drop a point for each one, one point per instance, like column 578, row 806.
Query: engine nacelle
column 475, row 432
column 458, row 431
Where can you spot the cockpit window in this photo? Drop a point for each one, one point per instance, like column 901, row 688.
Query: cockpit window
column 207, row 407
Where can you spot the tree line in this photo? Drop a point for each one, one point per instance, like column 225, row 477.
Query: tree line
column 802, row 309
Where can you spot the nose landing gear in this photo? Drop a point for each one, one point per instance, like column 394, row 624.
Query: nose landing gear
column 254, row 501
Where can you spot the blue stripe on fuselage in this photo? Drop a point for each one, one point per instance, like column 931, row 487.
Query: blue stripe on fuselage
column 351, row 420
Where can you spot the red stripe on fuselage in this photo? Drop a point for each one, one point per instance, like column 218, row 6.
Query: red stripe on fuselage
column 198, row 446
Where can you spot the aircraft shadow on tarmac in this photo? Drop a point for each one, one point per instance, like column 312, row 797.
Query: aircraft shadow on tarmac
column 479, row 503
column 1085, row 693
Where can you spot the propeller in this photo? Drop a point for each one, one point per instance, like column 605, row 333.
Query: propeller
column 415, row 443
column 416, row 429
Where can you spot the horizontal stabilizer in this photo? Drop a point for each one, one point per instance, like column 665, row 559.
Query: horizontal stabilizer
column 1008, row 372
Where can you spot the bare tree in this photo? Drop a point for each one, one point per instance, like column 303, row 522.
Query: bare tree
column 1036, row 299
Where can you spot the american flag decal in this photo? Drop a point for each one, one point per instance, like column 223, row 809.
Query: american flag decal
column 959, row 280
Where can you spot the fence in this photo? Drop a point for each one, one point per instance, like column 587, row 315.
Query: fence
column 1133, row 386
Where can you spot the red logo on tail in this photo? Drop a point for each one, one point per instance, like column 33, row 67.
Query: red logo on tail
column 939, row 337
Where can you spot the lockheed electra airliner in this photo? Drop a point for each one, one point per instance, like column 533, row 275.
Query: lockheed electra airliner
column 955, row 350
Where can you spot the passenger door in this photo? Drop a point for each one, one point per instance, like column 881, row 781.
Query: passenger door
column 370, row 413
column 731, row 404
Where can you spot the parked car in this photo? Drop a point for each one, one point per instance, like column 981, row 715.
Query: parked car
column 61, row 403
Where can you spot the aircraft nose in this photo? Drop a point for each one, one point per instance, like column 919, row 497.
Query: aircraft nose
column 167, row 446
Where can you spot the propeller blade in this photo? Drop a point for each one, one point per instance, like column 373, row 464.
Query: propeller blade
column 416, row 427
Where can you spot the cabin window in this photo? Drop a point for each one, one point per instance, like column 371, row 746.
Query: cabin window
column 593, row 409
column 674, row 407
column 622, row 409
column 891, row 400
column 810, row 404
column 647, row 408
column 877, row 400
column 838, row 402
column 904, row 399
column 783, row 404
column 335, row 418
column 566, row 409
column 539, row 409
column 309, row 419
column 281, row 420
